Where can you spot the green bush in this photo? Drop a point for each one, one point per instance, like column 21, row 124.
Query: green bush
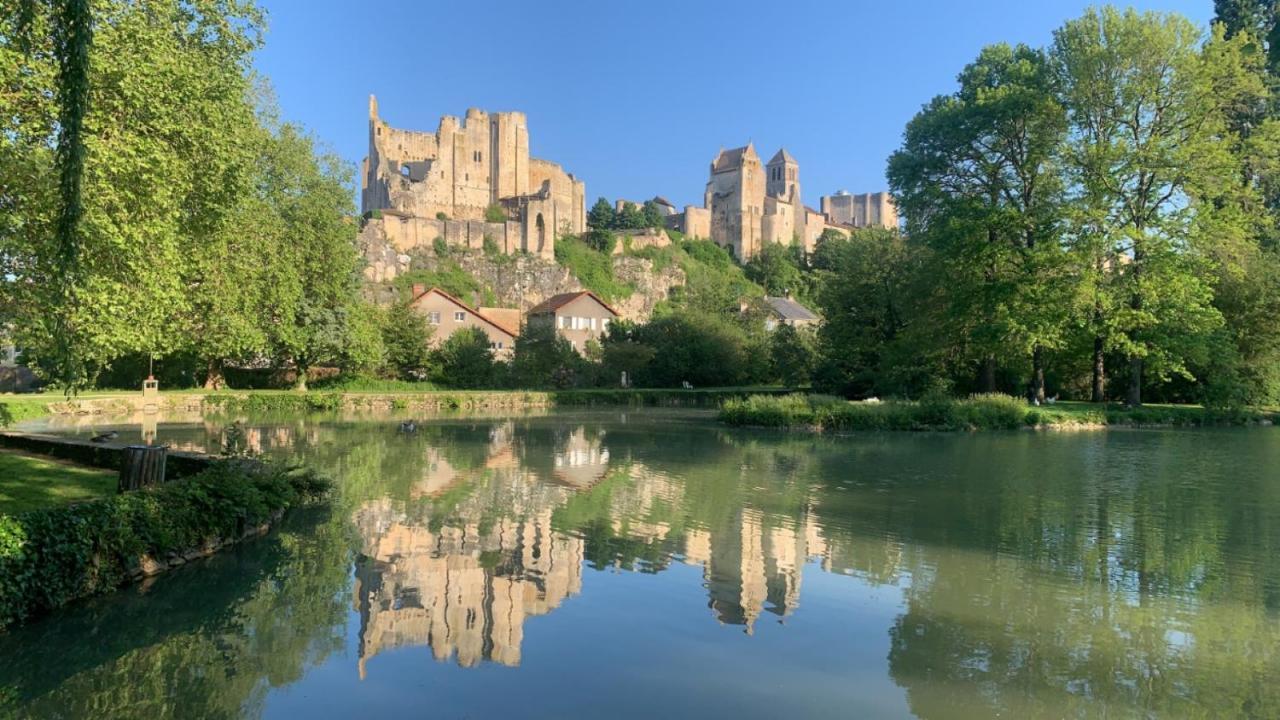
column 53, row 556
column 276, row 402
column 594, row 269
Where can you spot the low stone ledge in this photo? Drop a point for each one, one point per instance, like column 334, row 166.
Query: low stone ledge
column 100, row 455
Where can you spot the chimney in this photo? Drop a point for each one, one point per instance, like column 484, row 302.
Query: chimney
column 418, row 290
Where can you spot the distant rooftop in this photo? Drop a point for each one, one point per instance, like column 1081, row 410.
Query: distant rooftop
column 789, row 309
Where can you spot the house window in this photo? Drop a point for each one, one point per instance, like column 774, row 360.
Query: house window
column 604, row 323
column 566, row 322
column 593, row 323
column 460, row 316
column 433, row 317
column 495, row 345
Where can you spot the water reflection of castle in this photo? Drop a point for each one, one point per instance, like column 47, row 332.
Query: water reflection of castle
column 462, row 576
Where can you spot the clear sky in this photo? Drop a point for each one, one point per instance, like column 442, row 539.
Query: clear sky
column 635, row 98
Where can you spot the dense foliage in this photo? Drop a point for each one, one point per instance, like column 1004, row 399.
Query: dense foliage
column 202, row 225
column 1090, row 218
column 51, row 557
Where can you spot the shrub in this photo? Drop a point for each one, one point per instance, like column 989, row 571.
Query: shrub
column 52, row 556
column 495, row 214
column 594, row 269
column 440, row 247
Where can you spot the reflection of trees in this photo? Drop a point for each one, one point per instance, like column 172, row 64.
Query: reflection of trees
column 1040, row 575
column 207, row 642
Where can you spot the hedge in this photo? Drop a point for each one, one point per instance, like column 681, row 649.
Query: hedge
column 936, row 411
column 53, row 556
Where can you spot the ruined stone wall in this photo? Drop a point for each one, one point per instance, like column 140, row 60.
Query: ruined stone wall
column 640, row 239
column 865, row 210
column 566, row 192
column 696, row 222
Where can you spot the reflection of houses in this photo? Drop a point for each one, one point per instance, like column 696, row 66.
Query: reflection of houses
column 581, row 460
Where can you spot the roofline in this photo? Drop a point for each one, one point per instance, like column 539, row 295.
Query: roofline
column 462, row 305
column 577, row 295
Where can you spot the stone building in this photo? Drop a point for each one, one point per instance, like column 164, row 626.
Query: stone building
column 463, row 173
column 748, row 203
column 865, row 210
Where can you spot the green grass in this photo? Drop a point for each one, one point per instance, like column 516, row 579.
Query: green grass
column 449, row 276
column 593, row 268
column 28, row 483
column 15, row 409
column 979, row 412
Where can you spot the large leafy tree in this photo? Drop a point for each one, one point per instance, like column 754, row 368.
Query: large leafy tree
column 1146, row 129
column 315, row 282
column 978, row 180
column 156, row 144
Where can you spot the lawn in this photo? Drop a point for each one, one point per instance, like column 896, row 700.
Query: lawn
column 30, row 483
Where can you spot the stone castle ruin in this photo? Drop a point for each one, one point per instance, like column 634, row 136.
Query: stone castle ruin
column 749, row 203
column 454, row 183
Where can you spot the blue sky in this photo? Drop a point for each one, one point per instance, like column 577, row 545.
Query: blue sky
column 635, row 98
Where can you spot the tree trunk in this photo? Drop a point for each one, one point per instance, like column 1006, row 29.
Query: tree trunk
column 141, row 466
column 214, row 378
column 1134, row 398
column 1037, row 375
column 300, row 382
column 988, row 375
column 1099, row 371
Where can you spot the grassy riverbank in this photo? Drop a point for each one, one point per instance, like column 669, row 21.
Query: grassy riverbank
column 30, row 483
column 980, row 412
column 14, row 409
column 52, row 556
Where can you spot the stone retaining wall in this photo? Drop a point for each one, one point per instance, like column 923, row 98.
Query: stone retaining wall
column 101, row 455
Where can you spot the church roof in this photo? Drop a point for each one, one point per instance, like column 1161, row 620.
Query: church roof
column 731, row 159
column 782, row 156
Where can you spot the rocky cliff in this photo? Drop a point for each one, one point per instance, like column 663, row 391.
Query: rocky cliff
column 517, row 281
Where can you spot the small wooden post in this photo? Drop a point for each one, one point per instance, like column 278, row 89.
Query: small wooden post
column 141, row 466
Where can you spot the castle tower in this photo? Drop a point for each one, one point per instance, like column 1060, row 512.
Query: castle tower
column 736, row 197
column 783, row 173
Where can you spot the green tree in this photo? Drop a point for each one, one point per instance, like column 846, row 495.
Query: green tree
column 162, row 165
column 978, row 180
column 601, row 216
column 1145, row 132
column 779, row 269
column 1257, row 18
column 407, row 338
column 630, row 217
column 465, row 360
column 316, row 283
column 700, row 349
column 623, row 353
column 652, row 215
column 874, row 300
column 792, row 355
column 544, row 358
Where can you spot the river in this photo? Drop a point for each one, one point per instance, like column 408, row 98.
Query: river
column 651, row 563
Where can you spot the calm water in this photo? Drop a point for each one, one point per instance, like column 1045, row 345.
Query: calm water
column 652, row 564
